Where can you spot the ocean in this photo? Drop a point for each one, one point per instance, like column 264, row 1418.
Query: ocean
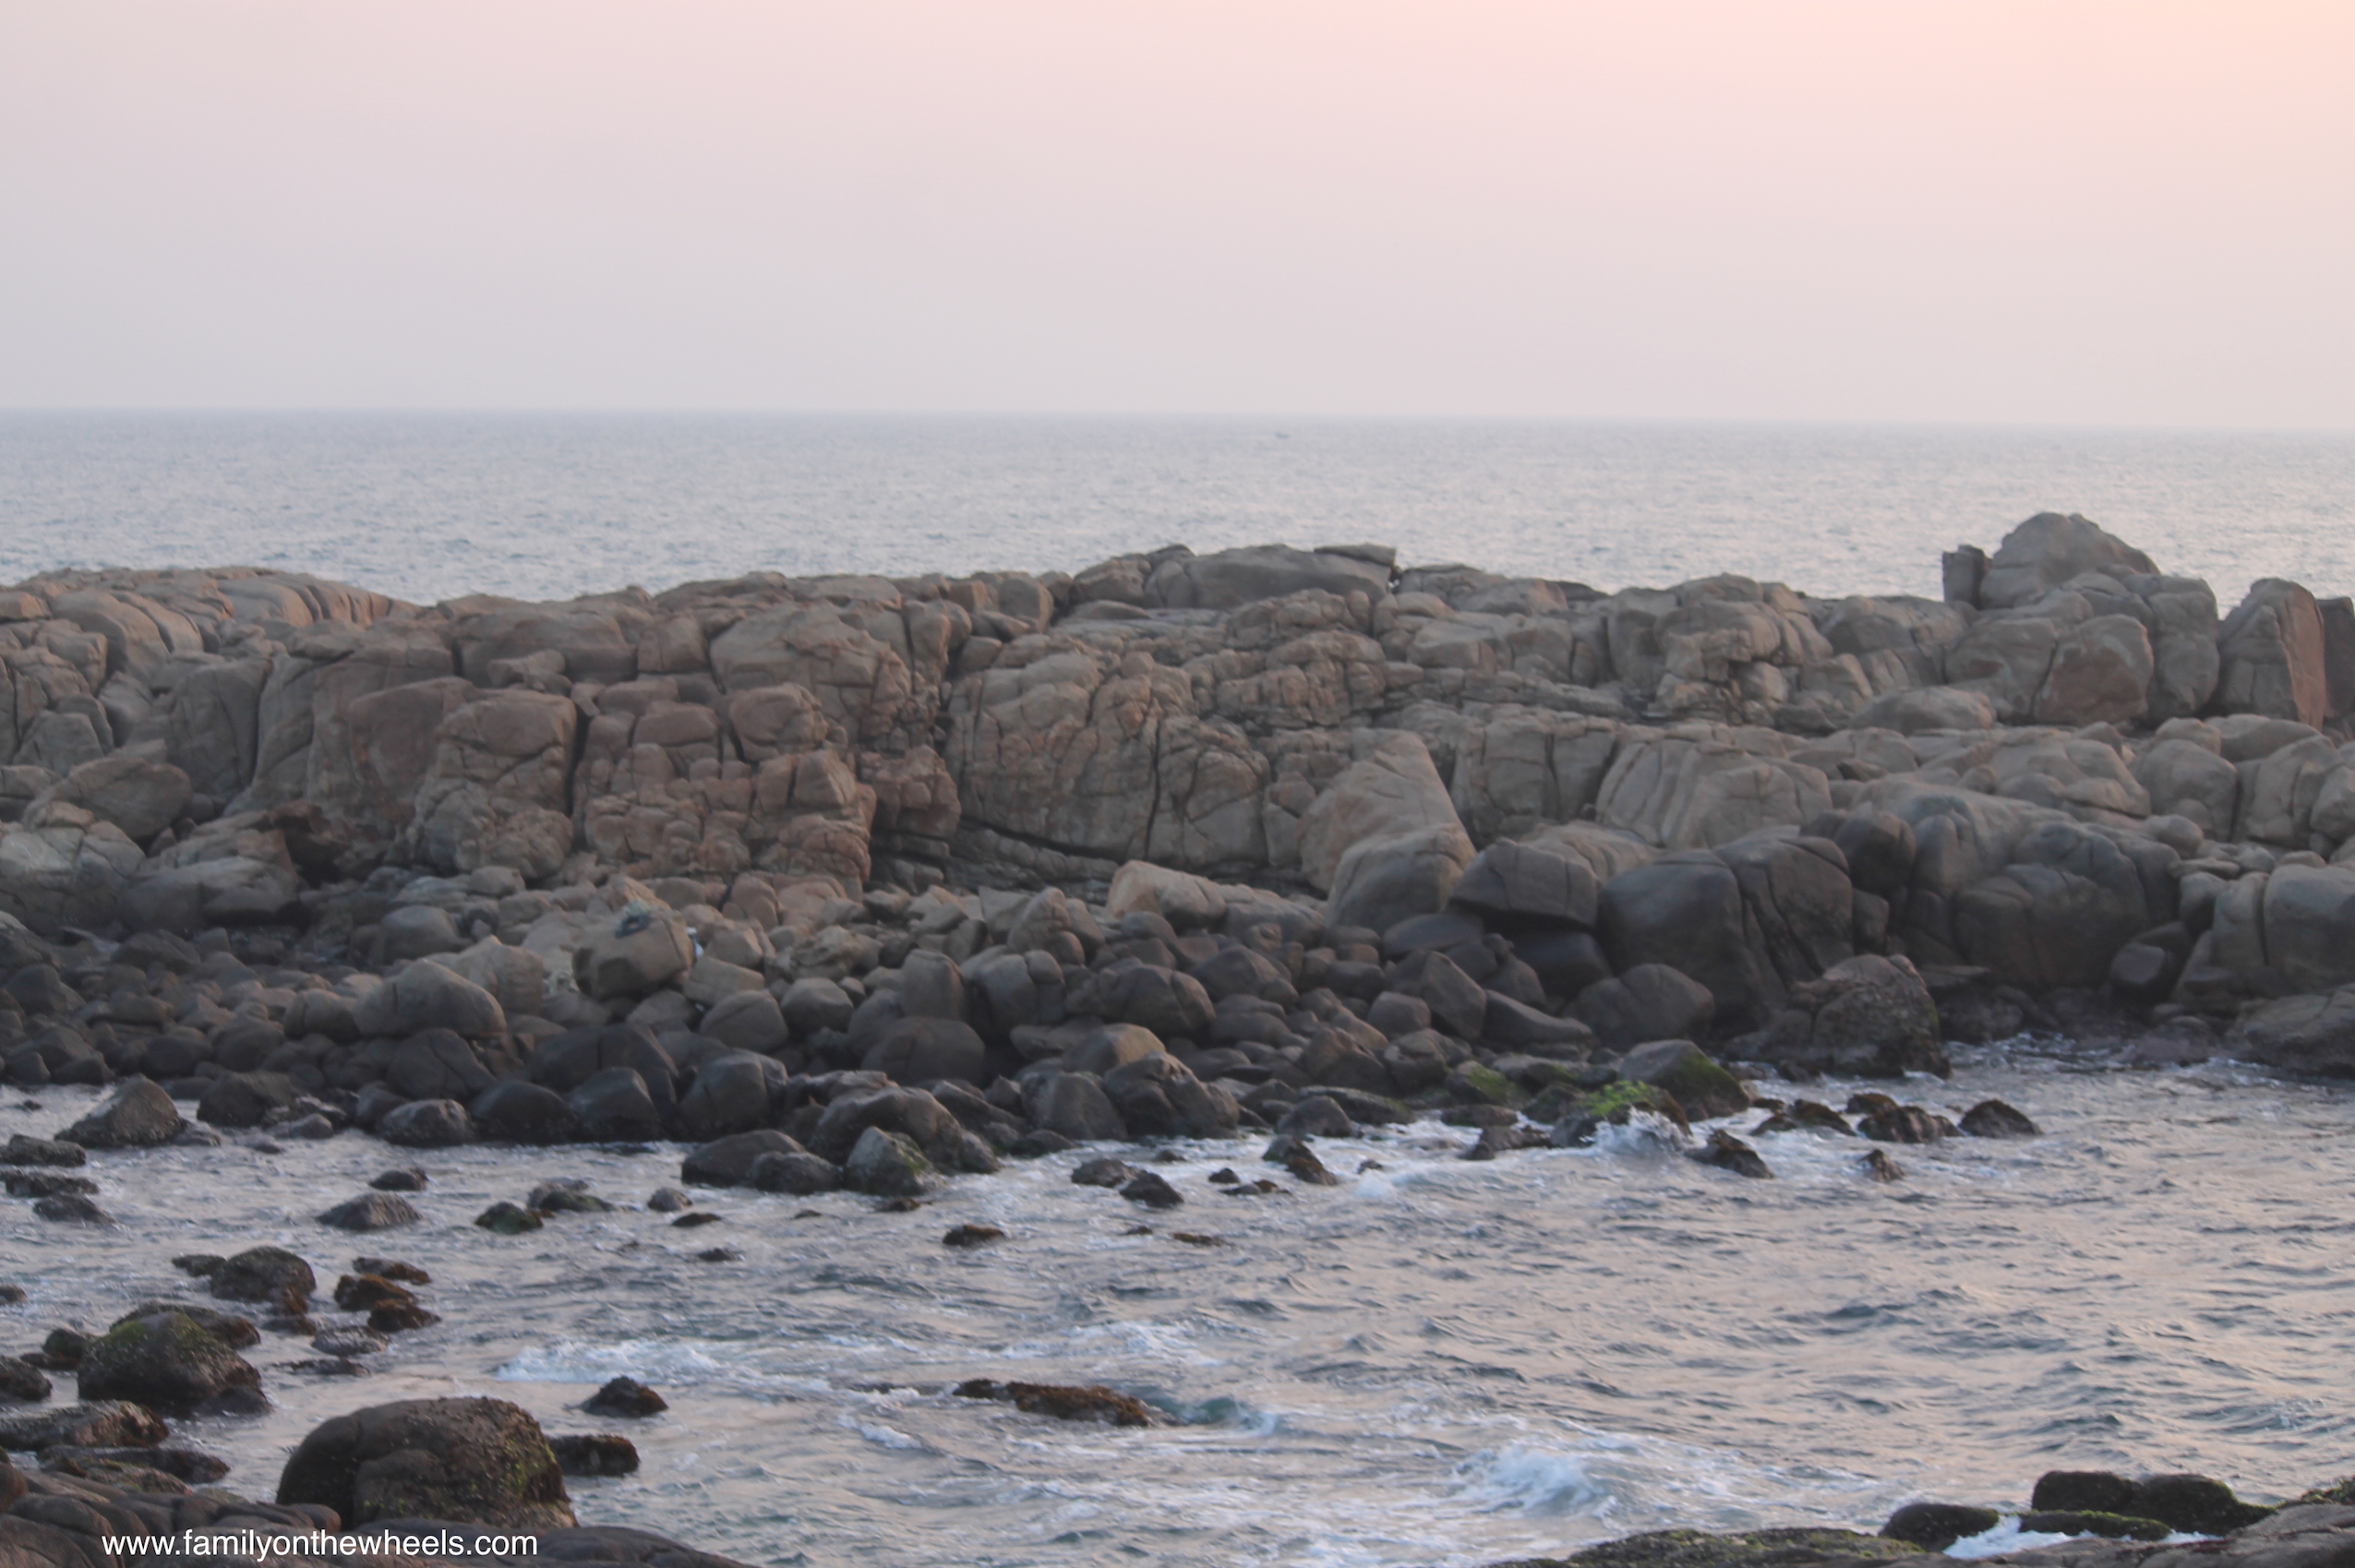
column 430, row 506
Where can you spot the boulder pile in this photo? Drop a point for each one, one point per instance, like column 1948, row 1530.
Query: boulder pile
column 895, row 877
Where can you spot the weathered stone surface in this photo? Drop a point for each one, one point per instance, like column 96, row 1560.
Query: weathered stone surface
column 2274, row 655
column 480, row 1461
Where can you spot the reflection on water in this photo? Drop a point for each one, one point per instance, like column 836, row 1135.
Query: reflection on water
column 1437, row 1362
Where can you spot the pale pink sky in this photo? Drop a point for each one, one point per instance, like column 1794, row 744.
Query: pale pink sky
column 1909, row 210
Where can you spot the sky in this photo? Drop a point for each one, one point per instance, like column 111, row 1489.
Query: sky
column 2047, row 212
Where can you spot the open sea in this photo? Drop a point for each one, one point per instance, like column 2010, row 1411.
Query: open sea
column 430, row 506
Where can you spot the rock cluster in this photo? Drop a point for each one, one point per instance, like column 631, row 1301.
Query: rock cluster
column 1144, row 851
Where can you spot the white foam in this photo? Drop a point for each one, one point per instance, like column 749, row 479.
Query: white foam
column 570, row 1360
column 1534, row 1480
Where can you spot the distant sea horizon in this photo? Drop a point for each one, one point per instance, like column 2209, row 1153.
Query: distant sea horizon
column 428, row 505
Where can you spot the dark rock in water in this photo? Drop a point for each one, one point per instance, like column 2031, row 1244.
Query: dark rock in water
column 358, row 1293
column 570, row 1196
column 1934, row 1526
column 1876, row 1165
column 1294, row 1154
column 1728, row 1153
column 1481, row 1116
column 972, row 1235
column 1795, row 1547
column 2194, row 1504
column 1149, row 1188
column 1993, row 1118
column 47, row 1184
column 1494, row 1141
column 1224, row 1176
column 245, row 1099
column 474, row 1461
column 138, row 1115
column 719, row 1255
column 729, row 1162
column 22, row 1383
column 796, row 1175
column 1090, row 1402
column 232, row 1330
column 72, row 1208
column 407, row 1179
column 1368, row 1109
column 668, row 1201
column 11, row 1294
column 374, row 1211
column 1684, row 1070
column 691, row 1221
column 22, row 1150
column 524, row 1113
column 2115, row 1526
column 401, row 1317
column 504, row 1218
column 190, row 1465
column 264, row 1274
column 1904, row 1124
column 1317, row 1116
column 169, row 1361
column 2082, row 1491
column 108, row 1424
column 201, row 1265
column 886, row 1164
column 1038, row 1142
column 626, row 1396
column 391, row 1268
column 426, row 1124
column 349, row 1342
column 1104, row 1172
column 63, row 1348
column 594, row 1454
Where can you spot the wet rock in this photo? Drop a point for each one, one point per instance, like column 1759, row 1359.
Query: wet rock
column 2195, row 1504
column 1317, row 1116
column 640, row 951
column 1726, row 1151
column 1934, row 1526
column 407, row 1179
column 885, row 1165
column 617, row 1105
column 569, row 1195
column 478, row 1461
column 390, row 1268
column 348, row 1342
column 22, row 1150
column 1038, row 1142
column 192, row 1465
column 428, row 1124
column 728, row 1162
column 972, row 1235
column 524, row 1113
column 1090, row 1402
column 1505, row 1140
column 169, row 1361
column 628, row 1398
column 138, row 1115
column 1294, row 1154
column 504, row 1218
column 1876, row 1165
column 1682, row 1069
column 1071, row 1104
column 2076, row 1492
column 1104, row 1172
column 72, row 1208
column 692, row 1221
column 1904, row 1124
column 668, row 1200
column 1993, row 1118
column 231, row 1329
column 2114, row 1527
column 1151, row 1189
column 375, row 1211
column 21, row 1383
column 795, row 1174
column 264, row 1274
column 594, row 1454
column 104, row 1424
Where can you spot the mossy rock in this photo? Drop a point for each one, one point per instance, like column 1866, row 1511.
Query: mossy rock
column 1471, row 1082
column 2094, row 1522
column 1684, row 1069
column 168, row 1361
column 476, row 1461
column 1799, row 1547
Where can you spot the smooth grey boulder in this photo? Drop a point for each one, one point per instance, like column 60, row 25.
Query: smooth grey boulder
column 919, row 1050
column 138, row 1115
column 1509, row 881
column 614, row 1104
column 426, row 1124
column 729, row 1162
column 1649, row 1001
column 428, row 996
column 733, row 1091
column 749, row 1021
column 1071, row 1104
column 509, row 1112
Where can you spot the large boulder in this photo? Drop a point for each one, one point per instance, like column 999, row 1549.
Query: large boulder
column 426, row 1124
column 476, row 1461
column 1511, row 882
column 2046, row 551
column 1651, row 1002
column 1393, row 793
column 616, row 1104
column 509, row 1112
column 568, row 1061
column 61, row 866
column 640, row 951
column 138, row 1115
column 918, row 1050
column 1184, row 899
column 234, row 890
column 169, row 1361
column 1071, row 1103
column 2304, row 1033
column 138, row 795
column 429, row 996
column 733, row 1091
column 2275, row 657
column 1228, row 579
